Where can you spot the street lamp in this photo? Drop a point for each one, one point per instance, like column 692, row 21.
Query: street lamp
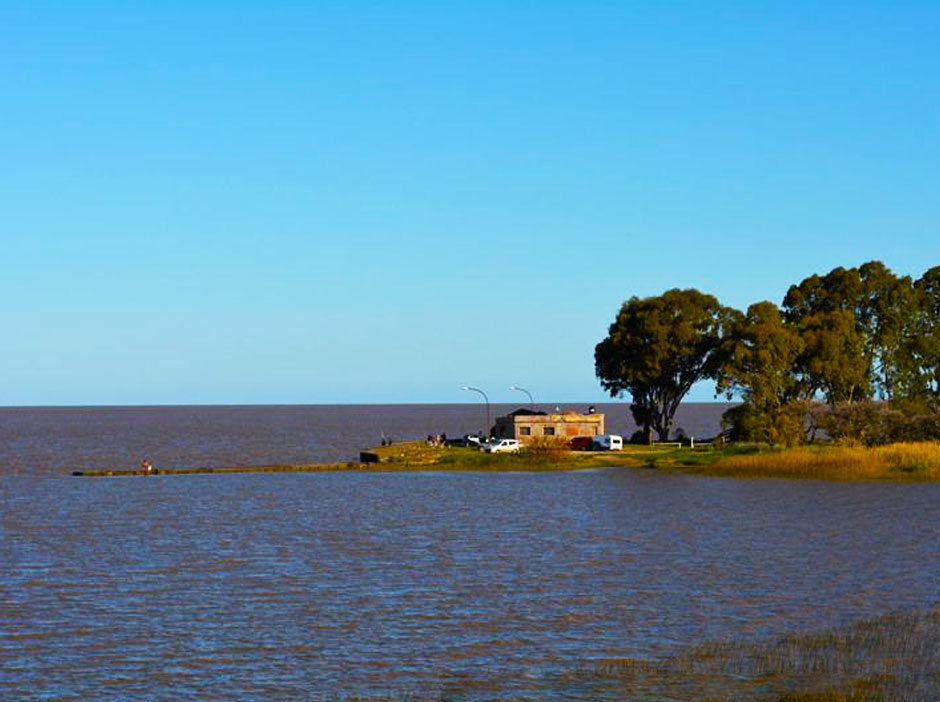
column 486, row 431
column 531, row 401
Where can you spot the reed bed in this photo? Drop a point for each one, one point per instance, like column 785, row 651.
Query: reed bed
column 893, row 658
column 901, row 461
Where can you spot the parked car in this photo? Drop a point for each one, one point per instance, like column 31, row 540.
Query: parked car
column 502, row 446
column 581, row 443
column 608, row 442
column 466, row 440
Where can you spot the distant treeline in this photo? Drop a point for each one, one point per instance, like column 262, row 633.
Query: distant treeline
column 855, row 352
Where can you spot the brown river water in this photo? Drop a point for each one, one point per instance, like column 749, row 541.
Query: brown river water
column 382, row 586
column 40, row 440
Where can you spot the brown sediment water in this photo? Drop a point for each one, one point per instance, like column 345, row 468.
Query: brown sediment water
column 34, row 441
column 423, row 585
column 464, row 586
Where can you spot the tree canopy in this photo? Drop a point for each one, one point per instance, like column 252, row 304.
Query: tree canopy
column 656, row 349
column 760, row 352
column 853, row 321
column 864, row 340
column 921, row 347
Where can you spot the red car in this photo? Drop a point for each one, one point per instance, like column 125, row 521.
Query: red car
column 581, row 443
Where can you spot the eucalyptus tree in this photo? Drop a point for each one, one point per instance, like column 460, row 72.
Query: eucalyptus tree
column 833, row 360
column 923, row 340
column 838, row 290
column 761, row 349
column 853, row 321
column 886, row 311
column 656, row 349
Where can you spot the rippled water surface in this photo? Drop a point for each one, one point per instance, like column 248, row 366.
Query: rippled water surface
column 376, row 586
column 466, row 586
column 36, row 440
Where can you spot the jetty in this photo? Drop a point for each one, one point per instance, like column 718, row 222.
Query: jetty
column 402, row 456
column 309, row 468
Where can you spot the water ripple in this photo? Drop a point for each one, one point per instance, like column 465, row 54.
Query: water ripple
column 375, row 586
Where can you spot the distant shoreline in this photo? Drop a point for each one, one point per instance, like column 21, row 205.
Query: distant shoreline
column 909, row 462
column 222, row 405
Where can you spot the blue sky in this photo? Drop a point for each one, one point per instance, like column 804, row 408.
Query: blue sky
column 209, row 202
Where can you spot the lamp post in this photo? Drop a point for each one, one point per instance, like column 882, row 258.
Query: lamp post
column 486, row 431
column 531, row 401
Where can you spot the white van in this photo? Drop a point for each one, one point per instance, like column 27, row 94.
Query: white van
column 502, row 446
column 608, row 442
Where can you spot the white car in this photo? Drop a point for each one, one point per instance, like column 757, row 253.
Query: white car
column 608, row 442
column 502, row 446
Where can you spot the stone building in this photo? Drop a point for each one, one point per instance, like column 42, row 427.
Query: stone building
column 526, row 425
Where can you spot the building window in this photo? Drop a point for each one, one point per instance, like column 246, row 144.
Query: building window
column 548, row 431
column 525, row 431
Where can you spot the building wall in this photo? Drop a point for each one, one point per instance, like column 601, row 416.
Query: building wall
column 565, row 426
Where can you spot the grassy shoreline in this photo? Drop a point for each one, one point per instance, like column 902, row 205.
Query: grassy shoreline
column 905, row 461
column 894, row 462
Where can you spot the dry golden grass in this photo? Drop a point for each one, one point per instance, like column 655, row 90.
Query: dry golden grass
column 901, row 461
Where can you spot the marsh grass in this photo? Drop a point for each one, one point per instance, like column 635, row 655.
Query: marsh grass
column 890, row 658
column 682, row 457
column 901, row 461
column 540, row 456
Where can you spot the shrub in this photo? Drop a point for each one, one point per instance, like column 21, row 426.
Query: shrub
column 861, row 423
column 545, row 449
column 871, row 423
column 787, row 425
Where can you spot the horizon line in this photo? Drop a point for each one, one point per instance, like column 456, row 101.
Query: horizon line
column 331, row 404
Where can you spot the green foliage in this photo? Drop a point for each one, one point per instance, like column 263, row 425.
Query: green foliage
column 760, row 352
column 833, row 360
column 921, row 372
column 885, row 317
column 867, row 423
column 657, row 348
column 871, row 423
column 786, row 424
column 854, row 322
column 851, row 336
column 823, row 311
column 862, row 423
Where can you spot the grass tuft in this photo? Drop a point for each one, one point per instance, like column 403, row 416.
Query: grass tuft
column 893, row 658
column 901, row 461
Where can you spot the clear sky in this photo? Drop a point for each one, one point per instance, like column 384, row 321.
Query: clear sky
column 230, row 202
